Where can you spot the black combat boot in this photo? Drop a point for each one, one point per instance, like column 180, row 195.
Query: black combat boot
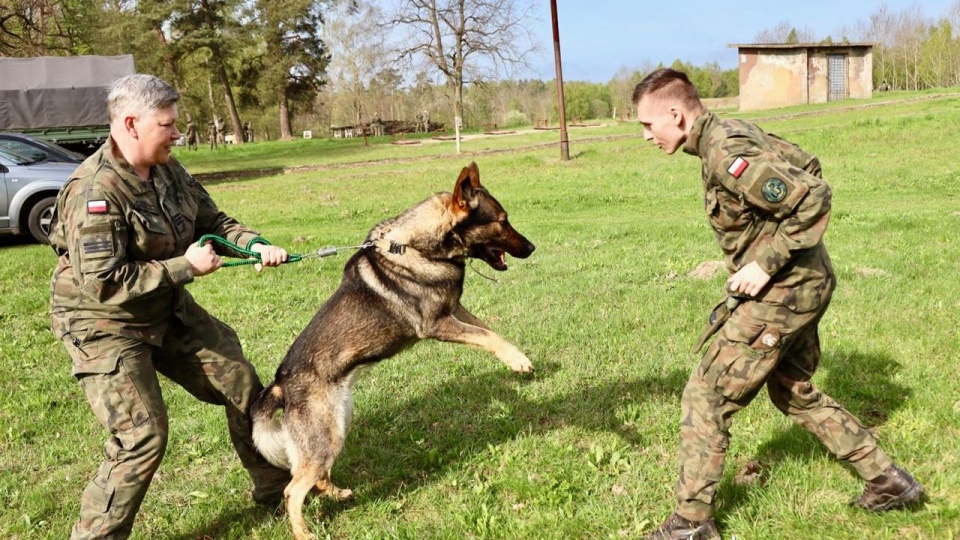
column 892, row 489
column 679, row 528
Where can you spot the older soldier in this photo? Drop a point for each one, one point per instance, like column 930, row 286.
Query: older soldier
column 769, row 208
column 125, row 231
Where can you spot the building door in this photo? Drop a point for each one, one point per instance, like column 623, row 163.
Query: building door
column 837, row 77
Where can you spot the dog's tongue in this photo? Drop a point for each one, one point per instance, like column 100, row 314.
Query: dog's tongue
column 503, row 257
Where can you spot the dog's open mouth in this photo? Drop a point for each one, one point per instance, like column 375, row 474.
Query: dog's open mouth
column 496, row 258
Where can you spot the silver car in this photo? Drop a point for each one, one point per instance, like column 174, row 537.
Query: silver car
column 28, row 193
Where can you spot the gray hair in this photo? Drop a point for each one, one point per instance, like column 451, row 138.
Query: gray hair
column 139, row 94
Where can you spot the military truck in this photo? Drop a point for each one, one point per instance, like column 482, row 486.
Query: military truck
column 60, row 99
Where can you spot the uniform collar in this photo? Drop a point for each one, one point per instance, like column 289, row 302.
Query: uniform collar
column 117, row 162
column 700, row 126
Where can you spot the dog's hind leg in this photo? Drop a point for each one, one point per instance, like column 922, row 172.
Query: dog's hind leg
column 341, row 411
column 325, row 485
column 304, row 478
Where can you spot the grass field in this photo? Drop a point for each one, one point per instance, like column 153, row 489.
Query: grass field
column 447, row 443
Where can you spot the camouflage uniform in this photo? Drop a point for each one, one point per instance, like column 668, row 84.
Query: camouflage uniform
column 191, row 135
column 766, row 202
column 119, row 305
column 212, row 134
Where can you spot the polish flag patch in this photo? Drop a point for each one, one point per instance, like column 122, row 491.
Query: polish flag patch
column 97, row 207
column 737, row 167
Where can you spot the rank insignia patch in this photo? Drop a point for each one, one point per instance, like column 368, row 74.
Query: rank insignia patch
column 180, row 223
column 97, row 244
column 737, row 167
column 774, row 190
column 97, row 207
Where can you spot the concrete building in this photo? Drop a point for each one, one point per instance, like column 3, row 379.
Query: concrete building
column 780, row 75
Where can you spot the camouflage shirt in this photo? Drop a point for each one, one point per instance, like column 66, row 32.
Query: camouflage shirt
column 121, row 241
column 766, row 202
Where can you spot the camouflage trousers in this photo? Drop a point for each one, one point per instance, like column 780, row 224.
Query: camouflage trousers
column 119, row 377
column 761, row 344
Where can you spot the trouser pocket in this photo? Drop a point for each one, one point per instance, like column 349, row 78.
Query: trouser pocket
column 739, row 361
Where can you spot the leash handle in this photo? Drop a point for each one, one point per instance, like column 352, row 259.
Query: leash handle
column 255, row 257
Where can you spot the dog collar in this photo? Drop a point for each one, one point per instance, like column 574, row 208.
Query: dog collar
column 391, row 247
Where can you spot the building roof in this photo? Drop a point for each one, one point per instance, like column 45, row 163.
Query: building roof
column 800, row 45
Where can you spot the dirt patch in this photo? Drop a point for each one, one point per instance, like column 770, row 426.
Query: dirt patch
column 866, row 272
column 707, row 270
column 750, row 473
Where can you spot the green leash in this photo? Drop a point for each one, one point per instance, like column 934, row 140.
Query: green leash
column 255, row 257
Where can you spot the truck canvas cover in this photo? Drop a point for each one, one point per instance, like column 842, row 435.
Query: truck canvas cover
column 56, row 92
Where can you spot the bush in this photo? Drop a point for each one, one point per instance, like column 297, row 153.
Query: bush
column 515, row 118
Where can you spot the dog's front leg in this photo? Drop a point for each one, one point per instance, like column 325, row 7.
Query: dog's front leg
column 455, row 331
column 462, row 314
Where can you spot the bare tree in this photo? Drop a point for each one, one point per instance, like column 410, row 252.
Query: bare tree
column 358, row 54
column 467, row 41
column 909, row 33
column 784, row 32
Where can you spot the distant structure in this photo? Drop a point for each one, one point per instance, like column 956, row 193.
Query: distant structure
column 784, row 74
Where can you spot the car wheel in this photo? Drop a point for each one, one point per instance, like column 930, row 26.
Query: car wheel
column 38, row 221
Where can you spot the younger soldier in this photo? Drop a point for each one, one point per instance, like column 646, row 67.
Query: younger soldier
column 125, row 230
column 769, row 208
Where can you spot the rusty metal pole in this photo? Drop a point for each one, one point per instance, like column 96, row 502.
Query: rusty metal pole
column 561, row 107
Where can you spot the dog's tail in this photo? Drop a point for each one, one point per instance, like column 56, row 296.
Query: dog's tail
column 269, row 436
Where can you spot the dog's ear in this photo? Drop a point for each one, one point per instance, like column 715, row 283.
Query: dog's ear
column 464, row 192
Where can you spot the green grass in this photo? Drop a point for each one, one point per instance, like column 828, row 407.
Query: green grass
column 447, row 443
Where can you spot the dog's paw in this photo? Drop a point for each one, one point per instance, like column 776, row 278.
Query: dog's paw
column 341, row 494
column 520, row 363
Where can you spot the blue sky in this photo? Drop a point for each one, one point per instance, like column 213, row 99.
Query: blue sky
column 597, row 37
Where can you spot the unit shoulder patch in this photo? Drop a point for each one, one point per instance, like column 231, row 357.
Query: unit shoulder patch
column 774, row 190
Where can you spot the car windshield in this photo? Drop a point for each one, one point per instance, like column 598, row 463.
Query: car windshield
column 57, row 148
column 12, row 158
column 32, row 153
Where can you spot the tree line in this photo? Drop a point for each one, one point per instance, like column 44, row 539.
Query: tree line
column 291, row 65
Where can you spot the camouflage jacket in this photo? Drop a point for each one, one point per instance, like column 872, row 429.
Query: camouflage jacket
column 121, row 242
column 766, row 202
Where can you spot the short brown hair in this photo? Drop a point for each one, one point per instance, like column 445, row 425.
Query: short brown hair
column 675, row 84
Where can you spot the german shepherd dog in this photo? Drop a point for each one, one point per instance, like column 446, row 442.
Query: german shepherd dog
column 404, row 286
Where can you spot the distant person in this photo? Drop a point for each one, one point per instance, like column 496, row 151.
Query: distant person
column 769, row 208
column 221, row 131
column 247, row 132
column 125, row 231
column 212, row 134
column 191, row 135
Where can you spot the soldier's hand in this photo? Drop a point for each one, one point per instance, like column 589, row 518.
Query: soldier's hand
column 269, row 255
column 203, row 260
column 749, row 280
